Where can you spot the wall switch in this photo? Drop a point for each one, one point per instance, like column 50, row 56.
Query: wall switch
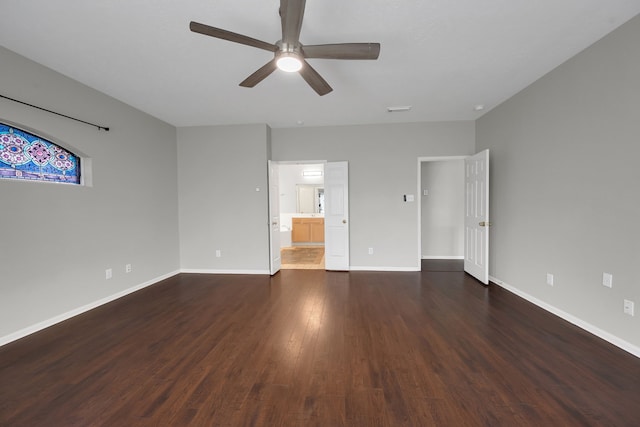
column 425, row 192
column 127, row 268
column 607, row 280
column 218, row 253
column 108, row 273
column 629, row 307
column 370, row 251
column 549, row 279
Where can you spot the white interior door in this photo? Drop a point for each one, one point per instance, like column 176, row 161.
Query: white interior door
column 275, row 260
column 336, row 217
column 476, row 220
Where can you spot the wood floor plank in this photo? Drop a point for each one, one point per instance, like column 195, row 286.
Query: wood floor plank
column 309, row 347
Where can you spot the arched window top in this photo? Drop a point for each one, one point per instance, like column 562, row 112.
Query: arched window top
column 30, row 157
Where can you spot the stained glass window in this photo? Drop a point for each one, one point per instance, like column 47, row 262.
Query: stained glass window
column 27, row 156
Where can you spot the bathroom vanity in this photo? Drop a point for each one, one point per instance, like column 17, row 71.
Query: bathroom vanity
column 307, row 230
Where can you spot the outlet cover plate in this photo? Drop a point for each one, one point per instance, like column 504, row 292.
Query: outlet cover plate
column 629, row 307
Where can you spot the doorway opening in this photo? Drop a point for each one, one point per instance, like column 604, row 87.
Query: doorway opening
column 302, row 208
column 474, row 234
column 441, row 213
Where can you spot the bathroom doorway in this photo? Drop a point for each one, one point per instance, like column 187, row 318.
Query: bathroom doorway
column 301, row 187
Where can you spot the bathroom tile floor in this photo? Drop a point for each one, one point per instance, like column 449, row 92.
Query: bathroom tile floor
column 303, row 258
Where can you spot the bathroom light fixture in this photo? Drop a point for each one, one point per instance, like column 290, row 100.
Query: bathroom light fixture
column 479, row 107
column 289, row 62
column 312, row 173
column 399, row 109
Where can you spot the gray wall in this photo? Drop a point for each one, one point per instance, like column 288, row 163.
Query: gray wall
column 442, row 211
column 219, row 170
column 383, row 166
column 57, row 240
column 564, row 176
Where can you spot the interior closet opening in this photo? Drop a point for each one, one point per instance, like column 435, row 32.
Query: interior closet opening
column 441, row 213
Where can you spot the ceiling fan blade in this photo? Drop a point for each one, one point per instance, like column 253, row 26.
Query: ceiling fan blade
column 232, row 37
column 314, row 79
column 343, row 51
column 291, row 14
column 262, row 73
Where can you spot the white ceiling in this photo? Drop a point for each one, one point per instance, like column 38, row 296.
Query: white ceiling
column 442, row 57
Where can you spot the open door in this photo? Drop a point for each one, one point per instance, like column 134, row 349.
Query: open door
column 476, row 220
column 336, row 216
column 274, row 218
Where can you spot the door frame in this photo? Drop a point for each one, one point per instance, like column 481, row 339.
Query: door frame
column 419, row 198
column 285, row 163
column 275, row 260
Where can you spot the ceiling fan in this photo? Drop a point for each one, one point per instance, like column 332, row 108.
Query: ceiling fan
column 289, row 53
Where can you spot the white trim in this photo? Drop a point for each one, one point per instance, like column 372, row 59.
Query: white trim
column 209, row 271
column 72, row 313
column 443, row 257
column 378, row 268
column 618, row 342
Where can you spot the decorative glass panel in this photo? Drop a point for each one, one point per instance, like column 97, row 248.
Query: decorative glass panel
column 27, row 156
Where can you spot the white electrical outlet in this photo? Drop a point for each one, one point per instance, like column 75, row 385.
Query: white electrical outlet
column 370, row 251
column 607, row 280
column 549, row 279
column 127, row 268
column 218, row 253
column 629, row 307
column 108, row 273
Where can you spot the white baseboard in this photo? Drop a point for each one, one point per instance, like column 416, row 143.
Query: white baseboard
column 443, row 257
column 618, row 342
column 72, row 313
column 208, row 271
column 377, row 268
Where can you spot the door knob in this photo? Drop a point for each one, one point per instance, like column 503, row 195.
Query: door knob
column 484, row 224
column 344, row 221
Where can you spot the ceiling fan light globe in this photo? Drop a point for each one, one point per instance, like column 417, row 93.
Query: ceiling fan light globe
column 289, row 63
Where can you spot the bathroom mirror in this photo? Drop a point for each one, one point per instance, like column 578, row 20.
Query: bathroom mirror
column 310, row 198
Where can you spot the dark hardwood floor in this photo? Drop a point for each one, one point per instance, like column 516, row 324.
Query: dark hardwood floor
column 310, row 347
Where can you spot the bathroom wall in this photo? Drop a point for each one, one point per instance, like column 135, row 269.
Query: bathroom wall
column 290, row 177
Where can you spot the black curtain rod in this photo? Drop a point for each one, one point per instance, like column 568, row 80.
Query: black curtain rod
column 53, row 112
